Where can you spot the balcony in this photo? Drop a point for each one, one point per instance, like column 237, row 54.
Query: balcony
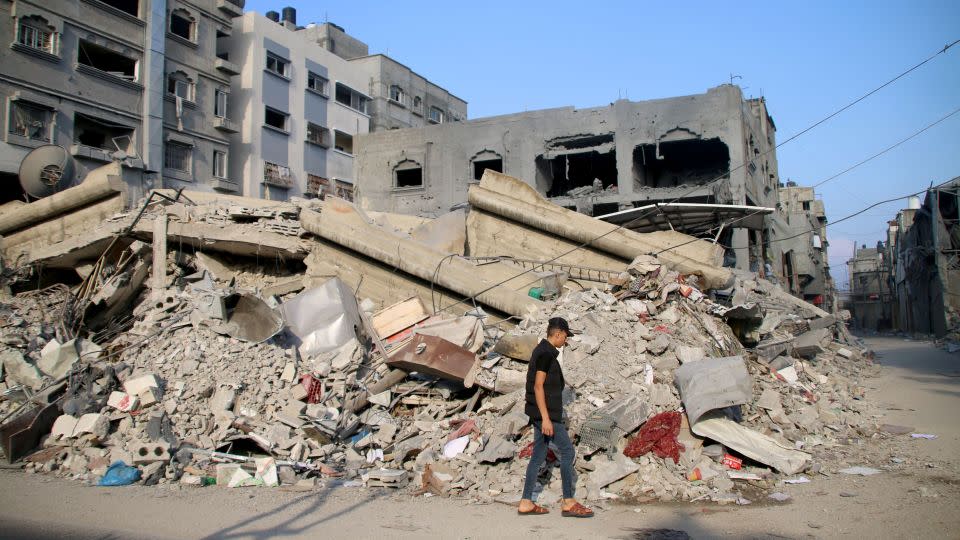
column 225, row 124
column 230, row 8
column 226, row 66
column 223, row 184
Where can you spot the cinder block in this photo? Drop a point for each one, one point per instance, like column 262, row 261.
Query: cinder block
column 150, row 453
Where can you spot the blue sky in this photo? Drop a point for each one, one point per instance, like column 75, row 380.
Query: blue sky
column 807, row 59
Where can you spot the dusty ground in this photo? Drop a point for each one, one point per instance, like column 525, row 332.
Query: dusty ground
column 919, row 498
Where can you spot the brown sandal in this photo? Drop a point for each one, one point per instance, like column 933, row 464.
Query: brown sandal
column 535, row 511
column 578, row 511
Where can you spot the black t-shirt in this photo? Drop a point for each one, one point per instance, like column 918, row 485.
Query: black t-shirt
column 544, row 358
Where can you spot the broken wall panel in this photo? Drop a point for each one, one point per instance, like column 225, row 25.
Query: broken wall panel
column 511, row 198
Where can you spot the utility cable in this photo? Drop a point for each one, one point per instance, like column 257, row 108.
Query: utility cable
column 887, row 149
column 726, row 174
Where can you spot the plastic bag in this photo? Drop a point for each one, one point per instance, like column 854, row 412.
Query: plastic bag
column 119, row 474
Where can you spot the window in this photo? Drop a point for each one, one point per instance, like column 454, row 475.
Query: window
column 179, row 85
column 494, row 164
column 436, row 115
column 30, row 121
column 317, row 186
column 34, row 32
column 182, row 24
column 178, row 156
column 219, row 164
column 275, row 118
column 408, row 173
column 276, row 175
column 278, row 65
column 343, row 142
column 103, row 59
column 318, row 134
column 396, row 94
column 806, row 205
column 99, row 133
column 351, row 98
column 220, row 103
column 417, row 104
column 344, row 190
column 317, row 83
column 130, row 7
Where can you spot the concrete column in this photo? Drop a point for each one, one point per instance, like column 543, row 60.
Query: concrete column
column 159, row 255
column 741, row 247
column 152, row 78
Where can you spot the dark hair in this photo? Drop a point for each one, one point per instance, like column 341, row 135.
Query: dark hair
column 557, row 324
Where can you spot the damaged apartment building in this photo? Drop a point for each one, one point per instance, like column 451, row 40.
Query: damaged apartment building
column 133, row 80
column 923, row 263
column 198, row 95
column 714, row 148
column 304, row 94
column 798, row 253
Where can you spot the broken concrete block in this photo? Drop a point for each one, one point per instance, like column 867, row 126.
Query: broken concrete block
column 137, row 385
column 289, row 373
column 56, row 359
column 290, row 415
column 63, row 427
column 19, row 371
column 688, row 354
column 122, row 401
column 607, row 471
column 298, row 392
column 149, row 452
column 769, row 400
column 591, row 344
column 845, row 353
column 659, row 344
column 222, row 400
column 496, row 449
column 810, row 343
column 149, row 396
column 94, row 424
column 267, row 471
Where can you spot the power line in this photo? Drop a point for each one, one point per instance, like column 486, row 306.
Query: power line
column 726, row 174
column 887, row 149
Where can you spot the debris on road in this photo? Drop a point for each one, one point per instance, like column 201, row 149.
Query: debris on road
column 284, row 344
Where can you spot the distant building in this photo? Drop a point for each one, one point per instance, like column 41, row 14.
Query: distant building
column 871, row 298
column 800, row 241
column 297, row 108
column 713, row 148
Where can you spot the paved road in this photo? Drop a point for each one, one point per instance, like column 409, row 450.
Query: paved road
column 919, row 387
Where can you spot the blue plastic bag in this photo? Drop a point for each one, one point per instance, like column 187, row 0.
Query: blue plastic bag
column 119, row 474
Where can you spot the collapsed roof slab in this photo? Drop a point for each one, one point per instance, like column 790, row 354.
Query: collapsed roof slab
column 511, row 198
column 341, row 223
column 21, row 248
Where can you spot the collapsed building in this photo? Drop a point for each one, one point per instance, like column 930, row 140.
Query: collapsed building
column 800, row 237
column 711, row 148
column 921, row 255
column 200, row 339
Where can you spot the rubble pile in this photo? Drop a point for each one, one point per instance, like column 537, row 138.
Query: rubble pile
column 222, row 370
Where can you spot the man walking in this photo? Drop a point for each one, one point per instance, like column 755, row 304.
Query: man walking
column 544, row 406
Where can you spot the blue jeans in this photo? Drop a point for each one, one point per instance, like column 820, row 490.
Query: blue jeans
column 567, row 455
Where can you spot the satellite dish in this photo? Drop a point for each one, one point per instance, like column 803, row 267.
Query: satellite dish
column 47, row 170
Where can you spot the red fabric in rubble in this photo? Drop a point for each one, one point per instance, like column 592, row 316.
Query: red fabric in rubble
column 660, row 435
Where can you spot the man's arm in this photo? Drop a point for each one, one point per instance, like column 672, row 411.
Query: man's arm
column 541, row 399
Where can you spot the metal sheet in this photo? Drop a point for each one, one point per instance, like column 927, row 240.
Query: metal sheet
column 322, row 318
column 436, row 356
column 689, row 218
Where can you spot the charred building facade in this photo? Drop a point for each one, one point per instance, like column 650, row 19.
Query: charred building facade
column 714, row 148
